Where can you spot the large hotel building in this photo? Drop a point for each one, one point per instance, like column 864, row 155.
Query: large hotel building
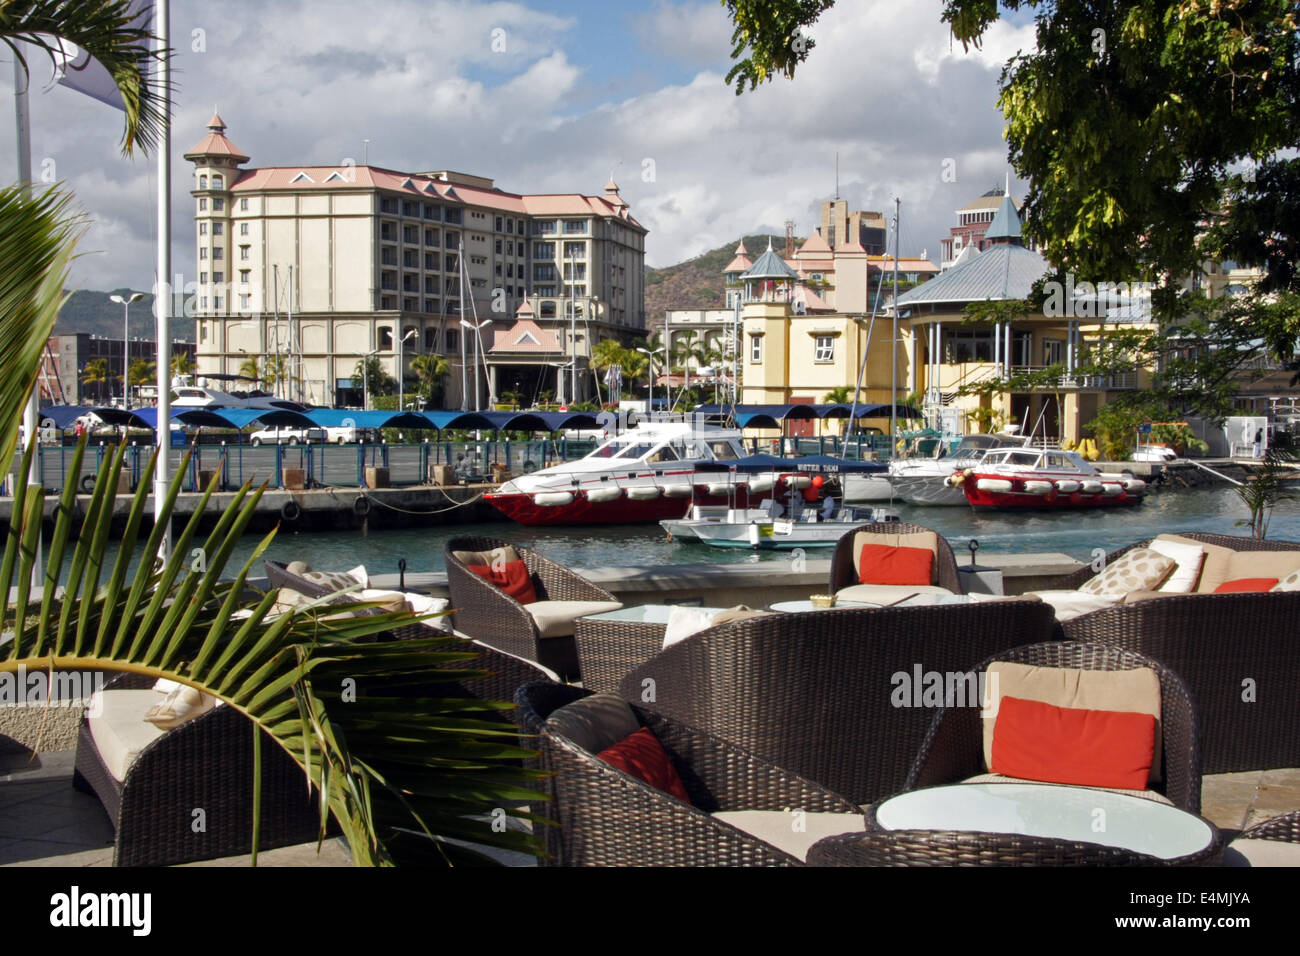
column 313, row 267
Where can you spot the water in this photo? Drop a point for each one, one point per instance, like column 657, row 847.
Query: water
column 1074, row 533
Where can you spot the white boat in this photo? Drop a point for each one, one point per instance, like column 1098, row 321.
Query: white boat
column 764, row 528
column 923, row 481
column 648, row 473
column 1044, row 479
column 203, row 395
column 867, row 488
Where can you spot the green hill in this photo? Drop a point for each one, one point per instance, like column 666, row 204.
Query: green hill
column 697, row 283
column 89, row 311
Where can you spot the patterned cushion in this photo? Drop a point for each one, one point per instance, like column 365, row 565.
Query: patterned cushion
column 337, row 580
column 1138, row 570
column 1289, row 583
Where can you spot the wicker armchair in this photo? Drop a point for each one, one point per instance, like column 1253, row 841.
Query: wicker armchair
column 534, row 702
column 953, row 750
column 816, row 692
column 486, row 613
column 1217, row 643
column 608, row 818
column 844, row 565
column 204, row 763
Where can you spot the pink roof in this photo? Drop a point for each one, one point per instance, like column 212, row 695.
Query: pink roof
column 741, row 250
column 814, row 243
column 852, row 247
column 373, row 177
column 814, row 265
column 812, row 301
column 738, row 264
column 524, row 336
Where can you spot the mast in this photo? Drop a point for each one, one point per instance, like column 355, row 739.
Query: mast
column 893, row 380
column 464, row 373
column 275, row 312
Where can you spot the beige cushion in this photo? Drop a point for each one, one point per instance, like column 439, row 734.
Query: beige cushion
column 181, row 705
column 1153, row 795
column 1261, row 853
column 1215, row 569
column 912, row 539
column 556, row 618
column 1262, row 564
column 1289, row 583
column 119, row 730
column 778, row 827
column 738, row 613
column 885, row 594
column 389, row 602
column 338, row 580
column 505, row 553
column 595, row 723
column 1133, row 692
column 684, row 621
column 1138, row 570
column 1137, row 596
column 424, row 604
column 1067, row 605
column 1188, row 559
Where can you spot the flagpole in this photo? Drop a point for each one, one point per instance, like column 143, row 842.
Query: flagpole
column 163, row 292
column 32, row 413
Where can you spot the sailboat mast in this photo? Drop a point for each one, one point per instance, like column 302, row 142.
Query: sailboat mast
column 464, row 373
column 893, row 388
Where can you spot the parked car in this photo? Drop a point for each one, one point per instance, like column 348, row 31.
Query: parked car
column 286, row 435
column 348, row 434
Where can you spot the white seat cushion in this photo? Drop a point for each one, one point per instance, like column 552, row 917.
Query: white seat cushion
column 1071, row 604
column 885, row 594
column 119, row 730
column 1261, row 853
column 778, row 827
column 556, row 618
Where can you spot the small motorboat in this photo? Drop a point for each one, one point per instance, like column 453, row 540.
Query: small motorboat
column 1043, row 479
column 922, row 480
column 764, row 528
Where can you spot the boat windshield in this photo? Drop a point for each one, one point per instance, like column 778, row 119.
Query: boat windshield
column 722, row 449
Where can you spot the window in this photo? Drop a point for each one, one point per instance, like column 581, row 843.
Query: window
column 243, row 301
column 218, row 253
column 388, row 231
column 430, row 237
column 544, row 289
column 203, row 229
column 453, row 215
column 498, row 227
column 756, row 348
column 410, row 234
column 544, row 226
column 218, row 181
column 387, row 302
column 521, row 227
column 431, row 307
column 388, row 205
column 203, row 302
column 410, row 305
column 410, row 282
column 218, row 303
column 543, row 272
column 218, row 228
column 386, row 337
column 510, row 270
column 203, row 182
column 411, row 259
column 825, row 350
column 243, row 253
column 243, row 204
column 510, row 248
column 575, row 250
column 1052, row 349
column 543, row 250
column 431, row 284
column 218, row 204
column 388, row 257
column 245, row 275
column 453, row 239
column 510, row 226
column 575, row 270
column 432, row 212
column 203, row 278
column 203, row 203
column 388, row 280
column 430, row 335
column 243, row 226
column 203, row 252
column 499, row 244
column 967, row 345
column 430, row 261
column 548, row 310
column 498, row 267
column 218, row 277
column 449, row 263
column 453, row 340
column 410, row 208
column 574, row 225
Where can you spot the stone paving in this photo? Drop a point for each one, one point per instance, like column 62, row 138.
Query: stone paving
column 45, row 822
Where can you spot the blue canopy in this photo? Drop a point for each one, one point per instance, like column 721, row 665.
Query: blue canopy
column 372, row 418
column 818, row 464
column 771, row 416
column 62, row 416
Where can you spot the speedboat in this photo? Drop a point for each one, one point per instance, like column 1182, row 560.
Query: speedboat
column 204, row 395
column 1043, row 479
column 765, row 528
column 650, row 472
column 922, row 481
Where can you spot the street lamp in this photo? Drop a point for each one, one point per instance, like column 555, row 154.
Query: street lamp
column 650, row 354
column 401, row 370
column 126, row 341
column 365, row 377
column 478, row 353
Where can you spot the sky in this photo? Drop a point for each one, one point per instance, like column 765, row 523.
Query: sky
column 552, row 97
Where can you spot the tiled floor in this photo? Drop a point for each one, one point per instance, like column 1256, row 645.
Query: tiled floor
column 45, row 822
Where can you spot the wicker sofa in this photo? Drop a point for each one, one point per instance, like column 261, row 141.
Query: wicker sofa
column 739, row 810
column 819, row 693
column 1231, row 650
column 844, row 562
column 488, row 614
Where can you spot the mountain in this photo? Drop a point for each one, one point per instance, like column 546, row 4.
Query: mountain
column 697, row 283
column 88, row 311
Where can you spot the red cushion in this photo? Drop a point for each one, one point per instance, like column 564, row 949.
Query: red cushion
column 881, row 564
column 512, row 577
column 1089, row 748
column 1245, row 584
column 642, row 756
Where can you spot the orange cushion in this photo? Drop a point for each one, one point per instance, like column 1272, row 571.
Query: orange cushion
column 511, row 577
column 641, row 755
column 1088, row 748
column 1245, row 584
column 881, row 564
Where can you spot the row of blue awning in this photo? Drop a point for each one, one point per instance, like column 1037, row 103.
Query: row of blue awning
column 772, row 416
column 63, row 417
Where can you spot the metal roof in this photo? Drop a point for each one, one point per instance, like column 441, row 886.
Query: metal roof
column 1006, row 222
column 1002, row 271
column 770, row 266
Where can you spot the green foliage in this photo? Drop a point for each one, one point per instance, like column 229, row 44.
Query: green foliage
column 373, row 377
column 772, row 34
column 839, row 395
column 143, row 372
column 1265, row 488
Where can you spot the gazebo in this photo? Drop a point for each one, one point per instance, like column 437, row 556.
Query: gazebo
column 769, row 279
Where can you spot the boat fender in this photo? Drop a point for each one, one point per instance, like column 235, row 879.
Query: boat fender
column 999, row 485
column 676, row 491
column 601, row 495
column 553, row 499
column 1135, row 485
column 761, row 484
column 361, row 506
column 642, row 493
column 718, row 489
column 1090, row 487
column 1110, row 490
column 87, row 484
column 1035, row 487
column 291, row 511
column 1067, row 486
column 798, row 481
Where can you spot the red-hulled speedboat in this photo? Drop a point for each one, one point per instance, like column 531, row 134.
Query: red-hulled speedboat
column 1044, row 478
column 648, row 473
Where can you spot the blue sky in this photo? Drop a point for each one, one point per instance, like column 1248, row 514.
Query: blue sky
column 581, row 89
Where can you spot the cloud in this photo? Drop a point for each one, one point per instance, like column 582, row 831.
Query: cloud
column 553, row 106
